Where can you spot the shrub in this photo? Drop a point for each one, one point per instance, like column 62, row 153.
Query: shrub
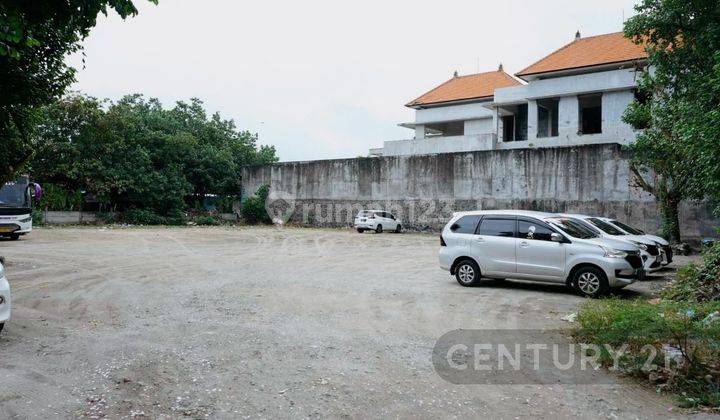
column 143, row 217
column 207, row 220
column 691, row 330
column 38, row 217
column 698, row 282
column 175, row 217
column 56, row 198
column 253, row 208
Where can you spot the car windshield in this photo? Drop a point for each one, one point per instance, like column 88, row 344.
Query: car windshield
column 605, row 227
column 572, row 227
column 628, row 229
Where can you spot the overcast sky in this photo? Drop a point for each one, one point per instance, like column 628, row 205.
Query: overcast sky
column 324, row 79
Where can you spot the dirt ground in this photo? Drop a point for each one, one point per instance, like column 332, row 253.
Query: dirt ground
column 266, row 322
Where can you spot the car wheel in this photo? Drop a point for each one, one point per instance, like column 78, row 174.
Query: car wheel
column 378, row 229
column 467, row 273
column 398, row 229
column 361, row 230
column 591, row 281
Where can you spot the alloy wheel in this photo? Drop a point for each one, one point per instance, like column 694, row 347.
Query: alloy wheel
column 588, row 283
column 466, row 273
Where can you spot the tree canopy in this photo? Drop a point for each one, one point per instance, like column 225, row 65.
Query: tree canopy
column 133, row 153
column 679, row 103
column 35, row 38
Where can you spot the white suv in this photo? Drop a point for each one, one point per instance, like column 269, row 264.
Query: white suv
column 4, row 298
column 536, row 246
column 665, row 248
column 651, row 253
column 377, row 220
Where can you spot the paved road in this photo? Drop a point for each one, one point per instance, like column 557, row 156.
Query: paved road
column 262, row 322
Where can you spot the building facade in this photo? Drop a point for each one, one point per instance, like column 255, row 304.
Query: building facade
column 574, row 96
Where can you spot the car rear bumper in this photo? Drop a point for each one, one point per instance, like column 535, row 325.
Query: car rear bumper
column 6, row 298
column 445, row 258
column 361, row 225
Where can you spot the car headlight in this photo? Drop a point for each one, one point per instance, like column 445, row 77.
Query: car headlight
column 641, row 246
column 614, row 253
column 25, row 220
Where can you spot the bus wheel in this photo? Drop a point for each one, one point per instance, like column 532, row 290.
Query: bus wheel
column 15, row 236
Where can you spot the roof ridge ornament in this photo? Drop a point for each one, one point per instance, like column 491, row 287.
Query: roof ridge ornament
column 455, row 74
column 577, row 35
column 500, row 67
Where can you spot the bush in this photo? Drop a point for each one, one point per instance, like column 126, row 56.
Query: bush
column 206, row 221
column 175, row 217
column 56, row 198
column 689, row 330
column 38, row 217
column 253, row 208
column 698, row 282
column 143, row 217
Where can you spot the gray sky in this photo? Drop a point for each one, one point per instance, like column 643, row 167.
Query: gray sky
column 324, row 79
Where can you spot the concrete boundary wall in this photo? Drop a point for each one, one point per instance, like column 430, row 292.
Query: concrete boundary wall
column 68, row 217
column 424, row 190
column 76, row 217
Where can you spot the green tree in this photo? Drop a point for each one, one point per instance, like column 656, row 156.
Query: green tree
column 135, row 154
column 35, row 38
column 677, row 153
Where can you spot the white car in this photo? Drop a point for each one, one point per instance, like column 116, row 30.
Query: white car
column 664, row 245
column 536, row 246
column 649, row 250
column 5, row 299
column 377, row 220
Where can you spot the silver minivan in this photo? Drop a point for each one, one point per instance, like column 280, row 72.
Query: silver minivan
column 544, row 247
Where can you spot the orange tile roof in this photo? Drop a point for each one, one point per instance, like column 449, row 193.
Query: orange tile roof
column 590, row 51
column 473, row 86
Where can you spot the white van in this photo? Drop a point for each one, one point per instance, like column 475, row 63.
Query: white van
column 377, row 220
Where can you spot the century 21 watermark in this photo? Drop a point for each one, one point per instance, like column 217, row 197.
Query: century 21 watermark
column 519, row 357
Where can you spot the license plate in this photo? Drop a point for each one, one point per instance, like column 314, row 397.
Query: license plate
column 6, row 229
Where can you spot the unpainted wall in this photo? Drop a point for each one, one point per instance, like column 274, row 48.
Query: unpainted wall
column 425, row 190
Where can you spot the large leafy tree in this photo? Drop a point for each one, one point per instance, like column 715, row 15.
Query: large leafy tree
column 136, row 154
column 35, row 38
column 677, row 154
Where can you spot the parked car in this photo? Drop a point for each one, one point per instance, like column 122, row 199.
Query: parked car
column 649, row 250
column 5, row 299
column 664, row 245
column 536, row 246
column 377, row 220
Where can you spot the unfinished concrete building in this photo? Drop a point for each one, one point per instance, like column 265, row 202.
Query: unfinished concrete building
column 574, row 96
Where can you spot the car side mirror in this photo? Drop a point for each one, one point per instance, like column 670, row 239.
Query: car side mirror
column 556, row 237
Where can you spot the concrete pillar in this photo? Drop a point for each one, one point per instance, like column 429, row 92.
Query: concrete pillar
column 419, row 132
column 568, row 117
column 497, row 125
column 532, row 120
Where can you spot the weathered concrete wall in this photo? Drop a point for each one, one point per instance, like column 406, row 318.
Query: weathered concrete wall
column 69, row 217
column 425, row 190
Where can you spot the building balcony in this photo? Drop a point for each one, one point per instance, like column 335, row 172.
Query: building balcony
column 436, row 144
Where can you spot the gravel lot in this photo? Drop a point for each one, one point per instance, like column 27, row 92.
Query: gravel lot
column 266, row 322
